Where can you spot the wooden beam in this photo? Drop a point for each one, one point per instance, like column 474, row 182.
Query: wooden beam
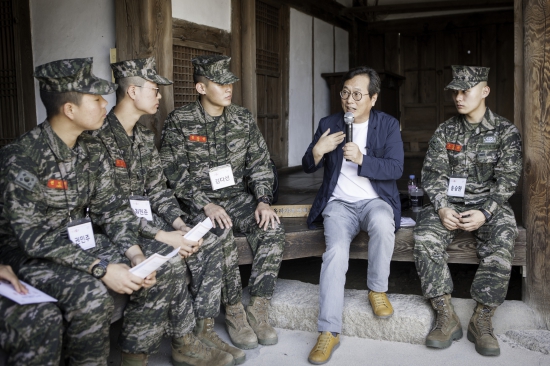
column 432, row 6
column 144, row 29
column 248, row 65
column 441, row 23
column 518, row 64
column 301, row 242
column 189, row 31
column 536, row 142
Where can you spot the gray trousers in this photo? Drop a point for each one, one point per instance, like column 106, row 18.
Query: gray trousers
column 343, row 221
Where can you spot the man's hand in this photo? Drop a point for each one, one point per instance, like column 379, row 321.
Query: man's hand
column 326, row 144
column 178, row 224
column 352, row 153
column 217, row 213
column 150, row 280
column 6, row 273
column 471, row 220
column 449, row 218
column 264, row 215
column 119, row 279
column 176, row 240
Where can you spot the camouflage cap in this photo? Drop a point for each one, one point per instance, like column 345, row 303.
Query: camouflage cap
column 215, row 68
column 466, row 77
column 72, row 75
column 143, row 67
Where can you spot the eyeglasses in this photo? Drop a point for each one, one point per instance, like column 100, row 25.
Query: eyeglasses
column 357, row 96
column 145, row 87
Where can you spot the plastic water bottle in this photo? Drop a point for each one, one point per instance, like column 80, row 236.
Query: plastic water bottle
column 411, row 185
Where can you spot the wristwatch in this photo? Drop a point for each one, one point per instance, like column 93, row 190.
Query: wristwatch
column 100, row 269
column 264, row 199
column 487, row 214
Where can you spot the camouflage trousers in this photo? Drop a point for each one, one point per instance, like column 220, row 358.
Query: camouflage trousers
column 205, row 268
column 85, row 305
column 267, row 249
column 31, row 334
column 495, row 249
column 166, row 309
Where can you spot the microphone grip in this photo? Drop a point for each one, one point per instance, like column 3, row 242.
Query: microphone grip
column 349, row 134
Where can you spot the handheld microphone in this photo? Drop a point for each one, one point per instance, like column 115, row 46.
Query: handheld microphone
column 348, row 120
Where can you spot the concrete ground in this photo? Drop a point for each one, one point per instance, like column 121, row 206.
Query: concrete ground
column 294, row 346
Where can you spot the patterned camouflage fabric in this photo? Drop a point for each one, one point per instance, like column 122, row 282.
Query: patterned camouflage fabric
column 72, row 75
column 34, row 218
column 233, row 138
column 466, row 77
column 145, row 68
column 39, row 325
column 214, row 68
column 490, row 157
column 143, row 175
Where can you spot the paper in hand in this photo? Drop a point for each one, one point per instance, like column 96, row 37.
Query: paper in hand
column 34, row 296
column 196, row 233
column 152, row 263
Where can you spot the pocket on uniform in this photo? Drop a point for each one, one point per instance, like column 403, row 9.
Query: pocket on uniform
column 485, row 164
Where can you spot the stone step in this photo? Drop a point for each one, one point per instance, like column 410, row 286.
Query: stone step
column 295, row 306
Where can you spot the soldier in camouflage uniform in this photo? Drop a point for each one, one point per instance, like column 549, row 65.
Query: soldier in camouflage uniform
column 201, row 141
column 139, row 175
column 30, row 334
column 55, row 177
column 471, row 169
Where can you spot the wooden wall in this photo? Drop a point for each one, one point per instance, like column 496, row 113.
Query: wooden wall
column 423, row 51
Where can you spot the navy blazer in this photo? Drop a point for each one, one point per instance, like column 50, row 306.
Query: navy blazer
column 383, row 163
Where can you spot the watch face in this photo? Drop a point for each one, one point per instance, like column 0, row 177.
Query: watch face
column 98, row 271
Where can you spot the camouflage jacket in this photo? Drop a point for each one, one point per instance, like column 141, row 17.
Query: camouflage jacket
column 138, row 170
column 192, row 144
column 35, row 207
column 488, row 154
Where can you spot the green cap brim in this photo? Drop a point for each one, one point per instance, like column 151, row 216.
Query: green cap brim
column 460, row 85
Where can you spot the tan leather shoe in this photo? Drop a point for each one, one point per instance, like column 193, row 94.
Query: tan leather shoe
column 322, row 351
column 381, row 305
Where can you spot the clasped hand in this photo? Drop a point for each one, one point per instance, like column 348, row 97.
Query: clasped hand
column 468, row 220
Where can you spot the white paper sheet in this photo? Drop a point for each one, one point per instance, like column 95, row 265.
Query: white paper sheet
column 152, row 263
column 196, row 233
column 34, row 296
column 407, row 222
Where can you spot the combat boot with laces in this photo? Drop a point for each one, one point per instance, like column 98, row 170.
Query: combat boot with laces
column 447, row 326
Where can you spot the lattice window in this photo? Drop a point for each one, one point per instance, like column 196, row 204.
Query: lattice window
column 267, row 37
column 184, row 88
column 9, row 128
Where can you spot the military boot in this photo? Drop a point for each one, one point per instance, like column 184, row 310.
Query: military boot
column 256, row 313
column 133, row 359
column 204, row 330
column 480, row 331
column 447, row 326
column 190, row 351
column 238, row 328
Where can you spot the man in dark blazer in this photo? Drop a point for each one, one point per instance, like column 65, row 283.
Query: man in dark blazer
column 359, row 192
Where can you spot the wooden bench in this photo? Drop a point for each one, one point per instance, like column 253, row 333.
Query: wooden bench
column 302, row 242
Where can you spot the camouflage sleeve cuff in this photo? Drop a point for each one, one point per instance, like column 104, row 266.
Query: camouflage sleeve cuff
column 200, row 200
column 440, row 202
column 147, row 230
column 490, row 205
column 84, row 262
column 262, row 190
column 171, row 215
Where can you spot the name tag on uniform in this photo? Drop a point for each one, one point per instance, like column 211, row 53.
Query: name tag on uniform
column 457, row 187
column 81, row 233
column 221, row 176
column 141, row 207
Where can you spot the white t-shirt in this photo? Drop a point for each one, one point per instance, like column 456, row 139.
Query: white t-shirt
column 351, row 187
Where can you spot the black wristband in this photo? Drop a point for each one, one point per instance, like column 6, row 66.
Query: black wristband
column 264, row 199
column 487, row 215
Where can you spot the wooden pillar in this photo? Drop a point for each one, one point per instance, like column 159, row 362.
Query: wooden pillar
column 536, row 143
column 248, row 46
column 144, row 29
column 236, row 50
